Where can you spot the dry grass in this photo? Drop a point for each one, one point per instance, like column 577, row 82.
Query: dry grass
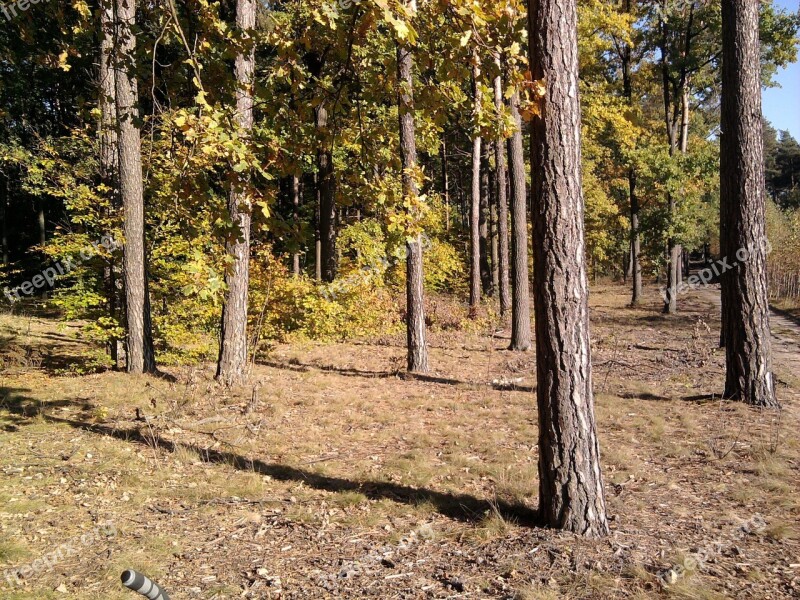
column 342, row 478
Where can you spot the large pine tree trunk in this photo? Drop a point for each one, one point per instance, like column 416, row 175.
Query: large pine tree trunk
column 744, row 288
column 232, row 365
column 415, row 307
column 521, row 308
column 475, row 202
column 140, row 354
column 571, row 492
column 502, row 203
column 327, row 202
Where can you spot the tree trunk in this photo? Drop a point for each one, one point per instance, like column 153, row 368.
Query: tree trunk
column 571, row 492
column 4, row 221
column 635, row 265
column 317, row 234
column 296, row 224
column 415, row 300
column 520, row 306
column 445, row 184
column 140, row 353
column 502, row 202
column 483, row 226
column 748, row 349
column 327, row 202
column 232, row 365
column 494, row 222
column 475, row 203
column 109, row 155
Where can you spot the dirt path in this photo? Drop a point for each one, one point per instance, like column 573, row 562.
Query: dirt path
column 785, row 333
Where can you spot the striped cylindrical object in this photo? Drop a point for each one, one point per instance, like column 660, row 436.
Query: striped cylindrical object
column 141, row 584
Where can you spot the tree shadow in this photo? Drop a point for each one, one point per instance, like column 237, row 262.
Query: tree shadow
column 460, row 507
column 298, row 367
column 22, row 408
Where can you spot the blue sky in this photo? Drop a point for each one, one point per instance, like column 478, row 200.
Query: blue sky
column 781, row 105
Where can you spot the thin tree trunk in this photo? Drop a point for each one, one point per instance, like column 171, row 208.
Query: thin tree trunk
column 232, row 365
column 748, row 349
column 520, row 306
column 317, row 234
column 4, row 220
column 475, row 202
column 296, row 223
column 635, row 265
column 445, row 184
column 571, row 492
column 415, row 300
column 483, row 226
column 494, row 223
column 140, row 353
column 327, row 203
column 502, row 202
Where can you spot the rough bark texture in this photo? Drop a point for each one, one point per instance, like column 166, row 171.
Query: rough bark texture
column 4, row 223
column 570, row 481
column 317, row 234
column 327, row 203
column 520, row 289
column 232, row 365
column 140, row 354
column 475, row 202
column 415, row 300
column 748, row 350
column 109, row 155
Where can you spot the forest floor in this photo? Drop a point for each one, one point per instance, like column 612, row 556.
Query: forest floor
column 335, row 475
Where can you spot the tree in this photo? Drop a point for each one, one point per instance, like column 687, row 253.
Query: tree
column 743, row 241
column 326, row 180
column 571, row 494
column 475, row 198
column 232, row 364
column 140, row 353
column 520, row 289
column 415, row 300
column 502, row 198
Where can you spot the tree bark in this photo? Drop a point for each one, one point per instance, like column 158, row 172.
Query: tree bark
column 415, row 299
column 109, row 155
column 140, row 353
column 475, row 203
column 520, row 290
column 570, row 481
column 748, row 349
column 502, row 202
column 327, row 201
column 232, row 364
column 4, row 220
